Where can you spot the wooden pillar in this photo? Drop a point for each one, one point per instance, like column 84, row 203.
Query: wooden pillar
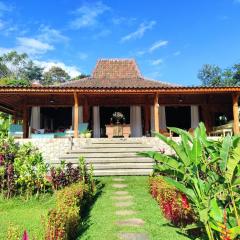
column 156, row 114
column 235, row 114
column 25, row 122
column 85, row 111
column 147, row 118
column 75, row 115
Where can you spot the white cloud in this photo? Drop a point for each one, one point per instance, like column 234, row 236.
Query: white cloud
column 73, row 71
column 139, row 33
column 49, row 35
column 177, row 53
column 4, row 8
column 157, row 62
column 82, row 56
column 103, row 33
column 157, row 45
column 153, row 47
column 32, row 46
column 2, row 24
column 87, row 15
column 5, row 50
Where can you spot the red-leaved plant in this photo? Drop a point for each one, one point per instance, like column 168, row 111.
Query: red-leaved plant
column 25, row 235
column 174, row 204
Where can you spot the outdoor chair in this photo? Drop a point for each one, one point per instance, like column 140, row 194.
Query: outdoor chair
column 16, row 131
column 81, row 129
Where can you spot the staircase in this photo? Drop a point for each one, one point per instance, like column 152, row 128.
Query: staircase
column 111, row 157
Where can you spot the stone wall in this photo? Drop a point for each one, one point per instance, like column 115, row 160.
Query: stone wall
column 52, row 149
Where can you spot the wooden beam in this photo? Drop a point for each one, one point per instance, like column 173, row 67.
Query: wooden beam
column 75, row 115
column 156, row 114
column 235, row 98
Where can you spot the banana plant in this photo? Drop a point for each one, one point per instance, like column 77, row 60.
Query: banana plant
column 208, row 172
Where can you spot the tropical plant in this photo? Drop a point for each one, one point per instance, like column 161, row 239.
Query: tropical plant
column 208, row 172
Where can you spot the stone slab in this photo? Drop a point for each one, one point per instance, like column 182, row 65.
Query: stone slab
column 133, row 236
column 122, row 198
column 123, row 204
column 125, row 212
column 118, row 179
column 132, row 222
column 119, row 185
column 121, row 193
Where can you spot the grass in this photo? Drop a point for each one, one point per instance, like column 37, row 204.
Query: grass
column 100, row 223
column 25, row 214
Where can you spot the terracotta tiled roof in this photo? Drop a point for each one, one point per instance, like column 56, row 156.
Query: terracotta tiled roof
column 116, row 73
column 116, row 68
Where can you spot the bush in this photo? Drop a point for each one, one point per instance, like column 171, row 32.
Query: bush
column 22, row 169
column 63, row 221
column 174, row 204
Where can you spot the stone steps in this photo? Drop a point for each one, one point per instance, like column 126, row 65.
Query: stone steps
column 109, row 160
column 112, row 157
column 110, row 150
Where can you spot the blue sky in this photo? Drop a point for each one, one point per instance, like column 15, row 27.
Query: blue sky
column 170, row 39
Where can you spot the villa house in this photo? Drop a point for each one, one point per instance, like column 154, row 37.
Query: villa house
column 116, row 94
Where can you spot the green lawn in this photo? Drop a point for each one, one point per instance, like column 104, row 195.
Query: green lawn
column 25, row 214
column 100, row 224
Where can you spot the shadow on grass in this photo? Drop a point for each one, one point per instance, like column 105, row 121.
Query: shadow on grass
column 85, row 212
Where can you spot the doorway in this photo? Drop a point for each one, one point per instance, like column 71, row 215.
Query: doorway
column 107, row 117
column 179, row 117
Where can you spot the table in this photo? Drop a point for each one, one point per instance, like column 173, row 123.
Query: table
column 118, row 130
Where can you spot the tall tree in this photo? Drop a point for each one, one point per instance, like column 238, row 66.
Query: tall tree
column 82, row 75
column 210, row 75
column 33, row 72
column 55, row 75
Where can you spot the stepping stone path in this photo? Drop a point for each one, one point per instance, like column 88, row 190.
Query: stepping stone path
column 133, row 236
column 121, row 193
column 123, row 204
column 122, row 199
column 120, row 185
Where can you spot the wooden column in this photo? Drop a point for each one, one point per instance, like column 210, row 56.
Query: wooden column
column 85, row 111
column 147, row 118
column 235, row 114
column 75, row 115
column 156, row 114
column 25, row 122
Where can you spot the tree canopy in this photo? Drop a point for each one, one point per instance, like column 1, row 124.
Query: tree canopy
column 17, row 69
column 213, row 75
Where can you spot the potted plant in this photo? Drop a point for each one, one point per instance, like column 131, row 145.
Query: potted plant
column 88, row 133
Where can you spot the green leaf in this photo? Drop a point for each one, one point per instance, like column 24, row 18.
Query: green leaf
column 181, row 133
column 234, row 232
column 182, row 188
column 196, row 154
column 177, row 148
column 215, row 211
column 225, row 152
column 232, row 163
column 203, row 215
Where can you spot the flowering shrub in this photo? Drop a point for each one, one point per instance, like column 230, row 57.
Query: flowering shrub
column 22, row 169
column 63, row 221
column 66, row 174
column 174, row 204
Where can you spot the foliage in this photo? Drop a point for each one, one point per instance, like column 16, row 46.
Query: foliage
column 17, row 69
column 22, row 169
column 66, row 174
column 63, row 221
column 13, row 232
column 4, row 125
column 31, row 170
column 207, row 172
column 55, row 75
column 212, row 75
column 173, row 203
